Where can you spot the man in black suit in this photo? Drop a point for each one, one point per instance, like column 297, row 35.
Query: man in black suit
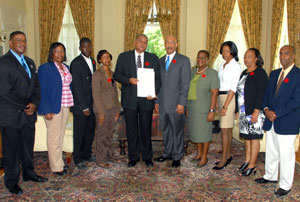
column 82, row 69
column 19, row 99
column 138, row 110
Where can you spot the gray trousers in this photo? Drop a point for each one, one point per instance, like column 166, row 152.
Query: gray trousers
column 172, row 127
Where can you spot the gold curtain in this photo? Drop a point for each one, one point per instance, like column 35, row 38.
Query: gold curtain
column 218, row 20
column 168, row 13
column 51, row 14
column 277, row 17
column 83, row 12
column 293, row 15
column 136, row 15
column 251, row 12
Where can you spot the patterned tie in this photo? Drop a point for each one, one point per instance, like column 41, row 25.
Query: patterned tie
column 279, row 82
column 167, row 63
column 25, row 67
column 139, row 62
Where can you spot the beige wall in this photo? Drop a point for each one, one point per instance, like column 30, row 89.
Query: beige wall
column 109, row 26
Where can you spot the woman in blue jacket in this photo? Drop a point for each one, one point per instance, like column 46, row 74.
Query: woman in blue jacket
column 56, row 99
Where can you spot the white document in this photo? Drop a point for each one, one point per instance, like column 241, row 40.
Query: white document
column 146, row 84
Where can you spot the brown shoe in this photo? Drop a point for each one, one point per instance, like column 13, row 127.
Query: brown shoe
column 105, row 165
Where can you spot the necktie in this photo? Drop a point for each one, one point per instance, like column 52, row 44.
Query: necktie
column 167, row 63
column 280, row 81
column 25, row 67
column 139, row 62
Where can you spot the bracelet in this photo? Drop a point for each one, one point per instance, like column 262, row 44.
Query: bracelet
column 224, row 107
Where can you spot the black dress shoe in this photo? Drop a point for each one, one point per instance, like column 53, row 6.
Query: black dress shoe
column 91, row 159
column 264, row 181
column 243, row 167
column 149, row 163
column 81, row 166
column 36, row 178
column 281, row 192
column 66, row 167
column 249, row 171
column 15, row 189
column 161, row 159
column 62, row 173
column 175, row 163
column 131, row 164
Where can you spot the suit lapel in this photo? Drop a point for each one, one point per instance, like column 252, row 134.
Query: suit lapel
column 172, row 63
column 85, row 65
column 283, row 87
column 20, row 68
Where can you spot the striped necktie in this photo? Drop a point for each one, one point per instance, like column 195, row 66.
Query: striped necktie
column 25, row 67
column 139, row 62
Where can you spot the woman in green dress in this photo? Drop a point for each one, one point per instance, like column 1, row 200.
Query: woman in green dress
column 202, row 99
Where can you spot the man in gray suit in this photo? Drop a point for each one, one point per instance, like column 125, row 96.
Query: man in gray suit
column 172, row 98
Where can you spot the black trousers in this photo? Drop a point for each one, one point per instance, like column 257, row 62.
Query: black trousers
column 83, row 136
column 138, row 132
column 17, row 147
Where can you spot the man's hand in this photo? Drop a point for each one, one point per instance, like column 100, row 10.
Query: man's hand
column 86, row 112
column 210, row 116
column 151, row 98
column 133, row 81
column 49, row 116
column 30, row 109
column 101, row 120
column 157, row 108
column 180, row 109
column 270, row 114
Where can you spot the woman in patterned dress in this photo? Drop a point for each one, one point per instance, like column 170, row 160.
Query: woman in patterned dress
column 250, row 90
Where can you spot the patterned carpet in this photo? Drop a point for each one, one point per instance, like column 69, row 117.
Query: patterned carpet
column 159, row 183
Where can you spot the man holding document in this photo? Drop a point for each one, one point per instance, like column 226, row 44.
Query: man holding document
column 139, row 73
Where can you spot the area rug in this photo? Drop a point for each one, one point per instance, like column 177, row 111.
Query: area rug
column 158, row 183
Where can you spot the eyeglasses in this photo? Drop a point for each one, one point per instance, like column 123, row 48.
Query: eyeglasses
column 202, row 58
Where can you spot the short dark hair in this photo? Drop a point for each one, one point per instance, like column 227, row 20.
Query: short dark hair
column 204, row 51
column 51, row 50
column 102, row 52
column 233, row 49
column 144, row 35
column 260, row 60
column 11, row 36
column 84, row 40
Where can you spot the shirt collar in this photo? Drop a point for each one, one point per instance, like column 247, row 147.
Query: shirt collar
column 141, row 54
column 85, row 57
column 171, row 55
column 16, row 55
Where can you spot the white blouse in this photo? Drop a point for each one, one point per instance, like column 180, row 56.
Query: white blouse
column 229, row 76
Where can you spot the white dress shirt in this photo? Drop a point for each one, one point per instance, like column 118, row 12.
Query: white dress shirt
column 229, row 76
column 170, row 56
column 142, row 57
column 89, row 62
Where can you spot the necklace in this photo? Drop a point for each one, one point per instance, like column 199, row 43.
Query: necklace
column 201, row 70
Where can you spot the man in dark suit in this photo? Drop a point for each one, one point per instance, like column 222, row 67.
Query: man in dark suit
column 82, row 69
column 282, row 109
column 172, row 98
column 137, row 110
column 19, row 99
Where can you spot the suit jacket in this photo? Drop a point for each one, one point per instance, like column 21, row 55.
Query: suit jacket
column 51, row 88
column 286, row 103
column 17, row 89
column 105, row 94
column 254, row 90
column 126, row 69
column 81, row 84
column 174, row 83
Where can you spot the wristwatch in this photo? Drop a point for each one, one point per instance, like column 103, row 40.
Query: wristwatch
column 212, row 110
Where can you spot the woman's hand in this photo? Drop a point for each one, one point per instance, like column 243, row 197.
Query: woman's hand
column 210, row 116
column 101, row 120
column 49, row 116
column 117, row 116
column 223, row 111
column 254, row 116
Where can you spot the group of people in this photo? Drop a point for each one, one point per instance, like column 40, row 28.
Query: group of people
column 262, row 104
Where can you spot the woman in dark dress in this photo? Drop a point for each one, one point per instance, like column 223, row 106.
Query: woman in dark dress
column 250, row 90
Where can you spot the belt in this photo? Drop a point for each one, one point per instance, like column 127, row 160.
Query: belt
column 223, row 92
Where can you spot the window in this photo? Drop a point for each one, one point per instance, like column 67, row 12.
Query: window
column 68, row 35
column 153, row 31
column 235, row 33
column 284, row 40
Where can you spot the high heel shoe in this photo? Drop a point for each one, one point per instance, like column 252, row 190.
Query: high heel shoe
column 227, row 162
column 243, row 167
column 249, row 171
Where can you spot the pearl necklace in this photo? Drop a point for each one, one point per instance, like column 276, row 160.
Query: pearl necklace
column 202, row 70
